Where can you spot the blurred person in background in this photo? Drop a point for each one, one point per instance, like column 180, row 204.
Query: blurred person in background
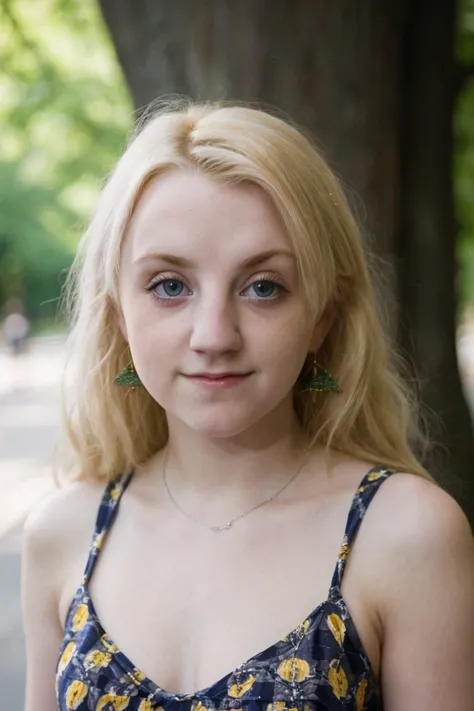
column 250, row 526
column 16, row 326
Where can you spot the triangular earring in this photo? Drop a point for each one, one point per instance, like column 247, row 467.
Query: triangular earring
column 128, row 377
column 319, row 380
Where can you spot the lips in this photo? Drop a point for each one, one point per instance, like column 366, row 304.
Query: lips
column 218, row 381
column 217, row 376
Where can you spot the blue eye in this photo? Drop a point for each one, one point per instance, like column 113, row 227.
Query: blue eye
column 265, row 288
column 171, row 287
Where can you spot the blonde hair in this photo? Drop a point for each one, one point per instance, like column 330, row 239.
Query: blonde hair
column 112, row 429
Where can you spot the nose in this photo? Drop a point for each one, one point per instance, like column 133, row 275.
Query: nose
column 215, row 327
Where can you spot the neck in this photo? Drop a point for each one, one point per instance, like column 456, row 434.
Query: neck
column 233, row 472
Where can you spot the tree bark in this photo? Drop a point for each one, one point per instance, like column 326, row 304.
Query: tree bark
column 426, row 262
column 375, row 83
column 333, row 67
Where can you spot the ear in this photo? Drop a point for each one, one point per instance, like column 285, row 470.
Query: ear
column 323, row 327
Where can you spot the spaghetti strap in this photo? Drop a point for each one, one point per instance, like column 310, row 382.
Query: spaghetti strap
column 360, row 503
column 332, row 669
column 105, row 517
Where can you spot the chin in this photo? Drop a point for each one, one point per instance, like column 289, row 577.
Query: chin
column 221, row 425
column 219, row 430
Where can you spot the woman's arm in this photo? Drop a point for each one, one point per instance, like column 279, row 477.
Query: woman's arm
column 56, row 542
column 426, row 600
column 43, row 632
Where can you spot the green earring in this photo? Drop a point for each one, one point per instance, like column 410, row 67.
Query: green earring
column 128, row 377
column 319, row 380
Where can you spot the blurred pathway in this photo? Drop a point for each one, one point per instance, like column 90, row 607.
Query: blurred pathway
column 29, row 420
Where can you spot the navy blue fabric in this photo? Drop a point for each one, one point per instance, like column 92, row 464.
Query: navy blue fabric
column 319, row 665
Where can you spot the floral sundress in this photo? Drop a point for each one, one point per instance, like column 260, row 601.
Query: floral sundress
column 320, row 665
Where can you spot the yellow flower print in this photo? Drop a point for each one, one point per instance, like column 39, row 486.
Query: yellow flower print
column 238, row 690
column 98, row 540
column 338, row 679
column 344, row 551
column 337, row 627
column 96, row 659
column 293, row 669
column 108, row 644
column 360, row 694
column 118, row 703
column 80, row 617
column 137, row 676
column 75, row 694
column 146, row 705
column 305, row 626
column 114, row 494
column 66, row 656
column 199, row 707
column 299, row 631
column 279, row 706
column 374, row 476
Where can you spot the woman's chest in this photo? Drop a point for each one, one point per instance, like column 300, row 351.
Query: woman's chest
column 313, row 668
column 189, row 606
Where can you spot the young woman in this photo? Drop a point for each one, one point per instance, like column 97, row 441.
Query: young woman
column 249, row 527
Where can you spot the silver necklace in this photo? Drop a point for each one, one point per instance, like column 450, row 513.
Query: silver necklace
column 229, row 524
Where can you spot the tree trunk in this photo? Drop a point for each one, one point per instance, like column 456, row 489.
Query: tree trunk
column 426, row 255
column 374, row 81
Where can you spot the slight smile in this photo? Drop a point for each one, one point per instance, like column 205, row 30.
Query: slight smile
column 218, row 380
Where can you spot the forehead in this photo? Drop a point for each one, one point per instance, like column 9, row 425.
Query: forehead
column 187, row 211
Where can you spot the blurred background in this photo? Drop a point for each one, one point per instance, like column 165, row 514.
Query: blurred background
column 386, row 89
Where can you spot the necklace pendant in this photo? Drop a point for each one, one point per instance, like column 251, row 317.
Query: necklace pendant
column 224, row 527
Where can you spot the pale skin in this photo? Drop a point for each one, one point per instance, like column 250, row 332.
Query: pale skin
column 170, row 592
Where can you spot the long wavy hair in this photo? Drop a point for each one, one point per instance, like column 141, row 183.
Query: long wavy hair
column 112, row 429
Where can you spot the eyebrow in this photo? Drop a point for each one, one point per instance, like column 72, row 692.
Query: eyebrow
column 183, row 262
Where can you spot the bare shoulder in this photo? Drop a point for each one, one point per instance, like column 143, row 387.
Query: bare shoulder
column 56, row 538
column 61, row 526
column 421, row 534
column 411, row 508
column 421, row 592
column 64, row 511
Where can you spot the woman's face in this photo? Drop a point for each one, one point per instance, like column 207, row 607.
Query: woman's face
column 211, row 304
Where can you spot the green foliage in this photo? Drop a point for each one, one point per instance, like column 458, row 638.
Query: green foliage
column 464, row 154
column 32, row 253
column 65, row 114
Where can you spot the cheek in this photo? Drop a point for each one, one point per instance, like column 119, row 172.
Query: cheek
column 290, row 361
column 144, row 331
column 288, row 338
column 284, row 349
column 140, row 315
